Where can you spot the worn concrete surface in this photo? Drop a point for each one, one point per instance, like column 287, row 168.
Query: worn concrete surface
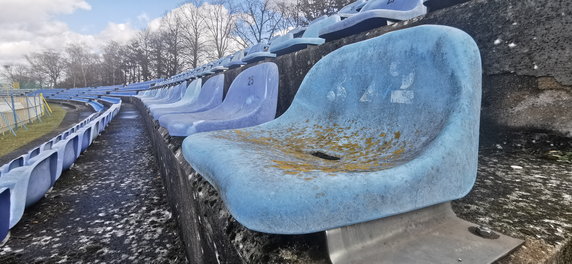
column 109, row 207
column 525, row 191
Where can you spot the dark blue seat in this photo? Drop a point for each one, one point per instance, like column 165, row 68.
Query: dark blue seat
column 221, row 65
column 4, row 214
column 393, row 129
column 28, row 184
column 96, row 106
column 352, row 8
column 173, row 94
column 258, row 52
column 374, row 14
column 288, row 43
column 190, row 93
column 251, row 100
column 236, row 59
column 209, row 96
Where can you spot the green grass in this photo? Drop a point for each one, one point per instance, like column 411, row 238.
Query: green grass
column 36, row 129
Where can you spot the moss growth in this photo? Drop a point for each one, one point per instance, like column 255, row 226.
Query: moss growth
column 35, row 130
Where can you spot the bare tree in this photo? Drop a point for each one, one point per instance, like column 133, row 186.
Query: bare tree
column 49, row 63
column 312, row 9
column 22, row 74
column 219, row 22
column 259, row 19
column 194, row 36
column 171, row 32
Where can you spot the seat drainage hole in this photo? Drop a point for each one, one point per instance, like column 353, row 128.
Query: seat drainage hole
column 323, row 155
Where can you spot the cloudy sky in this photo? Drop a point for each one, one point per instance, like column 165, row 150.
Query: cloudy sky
column 34, row 25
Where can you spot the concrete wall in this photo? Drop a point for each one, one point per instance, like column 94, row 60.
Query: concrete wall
column 526, row 50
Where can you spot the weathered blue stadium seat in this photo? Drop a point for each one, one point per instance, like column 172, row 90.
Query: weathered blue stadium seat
column 258, row 52
column 67, row 149
column 47, row 145
column 34, row 152
column 358, row 142
column 191, row 93
column 158, row 95
column 210, row 96
column 85, row 139
column 172, row 96
column 220, row 66
column 374, row 14
column 251, row 100
column 112, row 100
column 288, row 44
column 237, row 59
column 352, row 8
column 96, row 106
column 206, row 71
column 28, row 184
column 15, row 163
column 4, row 214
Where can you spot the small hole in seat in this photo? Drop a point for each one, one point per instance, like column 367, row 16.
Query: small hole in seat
column 325, row 156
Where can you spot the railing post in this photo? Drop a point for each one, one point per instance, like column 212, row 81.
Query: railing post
column 13, row 106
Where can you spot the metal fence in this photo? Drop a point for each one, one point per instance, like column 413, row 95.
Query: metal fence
column 17, row 111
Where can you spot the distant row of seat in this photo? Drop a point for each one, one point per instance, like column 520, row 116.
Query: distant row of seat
column 359, row 16
column 187, row 109
column 95, row 92
column 26, row 179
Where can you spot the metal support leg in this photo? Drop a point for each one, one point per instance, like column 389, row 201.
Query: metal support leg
column 430, row 235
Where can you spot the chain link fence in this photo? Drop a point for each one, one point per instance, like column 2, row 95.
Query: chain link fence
column 18, row 110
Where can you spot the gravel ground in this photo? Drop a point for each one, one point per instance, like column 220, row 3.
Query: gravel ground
column 109, row 207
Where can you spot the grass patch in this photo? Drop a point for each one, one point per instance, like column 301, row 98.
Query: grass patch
column 36, row 129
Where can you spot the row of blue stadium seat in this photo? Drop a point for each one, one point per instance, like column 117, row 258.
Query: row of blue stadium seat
column 407, row 126
column 186, row 109
column 359, row 16
column 26, row 179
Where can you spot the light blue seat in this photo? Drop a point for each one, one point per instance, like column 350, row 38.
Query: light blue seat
column 47, row 145
column 358, row 142
column 237, row 59
column 374, row 14
column 251, row 100
column 67, row 149
column 158, row 95
column 111, row 100
column 172, row 96
column 4, row 213
column 352, row 8
column 221, row 64
column 85, row 139
column 210, row 96
column 191, row 92
column 288, row 43
column 258, row 52
column 96, row 106
column 28, row 184
column 32, row 153
column 15, row 163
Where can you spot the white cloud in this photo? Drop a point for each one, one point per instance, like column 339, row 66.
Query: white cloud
column 143, row 18
column 121, row 33
column 30, row 26
column 26, row 11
